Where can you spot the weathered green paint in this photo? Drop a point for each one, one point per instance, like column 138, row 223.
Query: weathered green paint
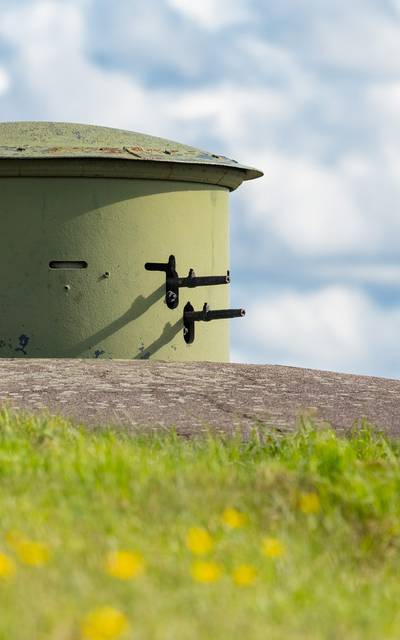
column 115, row 200
column 116, row 226
column 137, row 155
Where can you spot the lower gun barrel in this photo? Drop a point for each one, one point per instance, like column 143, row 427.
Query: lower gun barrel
column 221, row 314
column 218, row 314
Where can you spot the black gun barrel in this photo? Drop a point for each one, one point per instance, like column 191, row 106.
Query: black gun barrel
column 219, row 314
column 197, row 281
column 156, row 266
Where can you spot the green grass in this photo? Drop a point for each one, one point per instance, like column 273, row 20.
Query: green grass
column 85, row 494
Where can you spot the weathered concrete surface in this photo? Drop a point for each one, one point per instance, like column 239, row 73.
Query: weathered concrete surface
column 196, row 396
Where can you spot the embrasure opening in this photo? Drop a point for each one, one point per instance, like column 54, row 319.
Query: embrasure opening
column 68, row 264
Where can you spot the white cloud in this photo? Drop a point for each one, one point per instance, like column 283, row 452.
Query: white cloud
column 5, row 81
column 231, row 112
column 361, row 36
column 383, row 101
column 44, row 23
column 310, row 208
column 52, row 66
column 335, row 328
column 265, row 62
column 383, row 275
column 146, row 38
column 213, row 14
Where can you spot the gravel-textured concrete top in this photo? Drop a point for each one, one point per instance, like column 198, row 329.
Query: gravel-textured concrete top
column 54, row 141
column 196, row 396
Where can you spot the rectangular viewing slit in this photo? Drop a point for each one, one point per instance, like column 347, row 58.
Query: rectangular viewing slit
column 68, row 264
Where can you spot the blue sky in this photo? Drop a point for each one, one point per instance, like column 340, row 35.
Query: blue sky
column 307, row 91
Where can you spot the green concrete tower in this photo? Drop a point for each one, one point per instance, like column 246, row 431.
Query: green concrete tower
column 83, row 209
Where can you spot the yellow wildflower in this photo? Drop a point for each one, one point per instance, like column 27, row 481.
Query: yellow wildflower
column 273, row 548
column 105, row 623
column 309, row 502
column 34, row 554
column 7, row 566
column 28, row 551
column 233, row 518
column 206, row 572
column 124, row 564
column 244, row 575
column 199, row 541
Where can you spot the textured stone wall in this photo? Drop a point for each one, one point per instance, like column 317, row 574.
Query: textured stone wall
column 196, row 396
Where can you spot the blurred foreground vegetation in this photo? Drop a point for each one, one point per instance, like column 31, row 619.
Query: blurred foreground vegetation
column 105, row 535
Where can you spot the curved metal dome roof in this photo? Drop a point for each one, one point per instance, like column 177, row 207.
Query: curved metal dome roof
column 53, row 141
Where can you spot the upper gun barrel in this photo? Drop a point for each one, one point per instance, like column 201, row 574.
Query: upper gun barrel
column 198, row 281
